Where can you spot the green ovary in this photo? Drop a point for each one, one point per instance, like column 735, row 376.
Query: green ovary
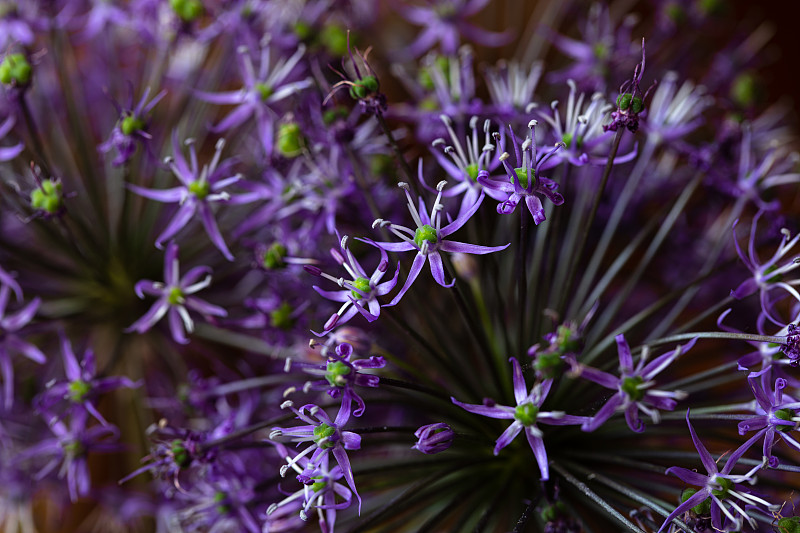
column 175, row 296
column 725, row 485
column 200, row 189
column 322, row 434
column 335, row 372
column 47, row 197
column 15, row 69
column 526, row 414
column 78, row 390
column 784, row 414
column 362, row 284
column 522, row 176
column 630, row 386
column 264, row 91
column 131, row 124
column 425, row 233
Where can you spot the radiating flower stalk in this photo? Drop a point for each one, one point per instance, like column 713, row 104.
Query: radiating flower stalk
column 227, row 209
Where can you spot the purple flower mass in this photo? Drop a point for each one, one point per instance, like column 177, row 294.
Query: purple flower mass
column 213, row 311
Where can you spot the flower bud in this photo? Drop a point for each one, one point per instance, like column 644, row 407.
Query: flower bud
column 434, row 438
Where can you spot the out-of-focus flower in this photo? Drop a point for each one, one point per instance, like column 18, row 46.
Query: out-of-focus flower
column 434, row 438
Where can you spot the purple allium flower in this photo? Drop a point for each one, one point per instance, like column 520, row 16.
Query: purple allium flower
column 341, row 374
column 768, row 277
column 511, row 89
column 526, row 415
column 445, row 22
column 131, row 127
column 582, row 130
column 524, row 182
column 70, row 447
column 466, row 163
column 630, row 101
column 82, row 386
column 220, row 503
column 434, row 438
column 7, row 153
column 198, row 189
column 365, row 88
column 633, row 386
column 174, row 298
column 321, row 489
column 792, row 345
column 722, row 487
column 325, row 435
column 10, row 342
column 262, row 91
column 777, row 413
column 428, row 239
column 359, row 295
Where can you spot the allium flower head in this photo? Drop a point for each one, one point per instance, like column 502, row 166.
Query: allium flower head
column 131, row 127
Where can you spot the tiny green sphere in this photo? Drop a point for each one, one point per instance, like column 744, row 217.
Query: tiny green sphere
column 789, row 524
column 703, row 508
column 273, row 257
column 549, row 364
column 335, row 372
column 624, row 101
column 187, row 10
column 47, row 197
column 219, row 499
column 747, row 90
column 200, row 188
column 522, row 177
column 180, row 454
column 264, row 91
column 333, row 114
column 322, row 434
column 636, row 104
column 630, row 386
column 362, row 284
column 131, row 125
column 15, row 70
column 526, row 414
column 334, row 39
column 290, row 140
column 425, row 233
column 78, row 390
column 281, row 317
column 175, row 296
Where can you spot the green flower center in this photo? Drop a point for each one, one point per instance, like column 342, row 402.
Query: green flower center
column 273, row 257
column 425, row 233
column 179, row 454
column 725, row 485
column 362, row 284
column 526, row 414
column 78, row 390
column 784, row 414
column 187, row 10
column 73, row 448
column 15, row 69
column 322, row 434
column 290, row 140
column 131, row 125
column 47, row 197
column 630, row 386
column 363, row 87
column 264, row 90
column 281, row 317
column 222, row 508
column 569, row 137
column 318, row 486
column 789, row 524
column 548, row 364
column 522, row 177
column 175, row 296
column 472, row 172
column 200, row 188
column 335, row 373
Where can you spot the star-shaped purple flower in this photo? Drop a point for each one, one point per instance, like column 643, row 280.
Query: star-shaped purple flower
column 174, row 297
column 526, row 415
column 428, row 239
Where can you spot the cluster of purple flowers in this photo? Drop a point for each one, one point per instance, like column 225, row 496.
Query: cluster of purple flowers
column 202, row 197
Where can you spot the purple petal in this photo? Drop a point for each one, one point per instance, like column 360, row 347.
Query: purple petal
column 604, row 413
column 437, row 270
column 705, row 457
column 204, row 308
column 537, row 445
column 464, row 248
column 416, row 267
column 507, row 436
column 149, row 319
column 176, row 326
column 169, row 196
column 483, row 410
column 625, row 357
column 213, row 231
column 520, row 389
column 182, row 217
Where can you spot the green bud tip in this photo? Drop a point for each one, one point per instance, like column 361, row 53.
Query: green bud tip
column 526, row 414
column 425, row 233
